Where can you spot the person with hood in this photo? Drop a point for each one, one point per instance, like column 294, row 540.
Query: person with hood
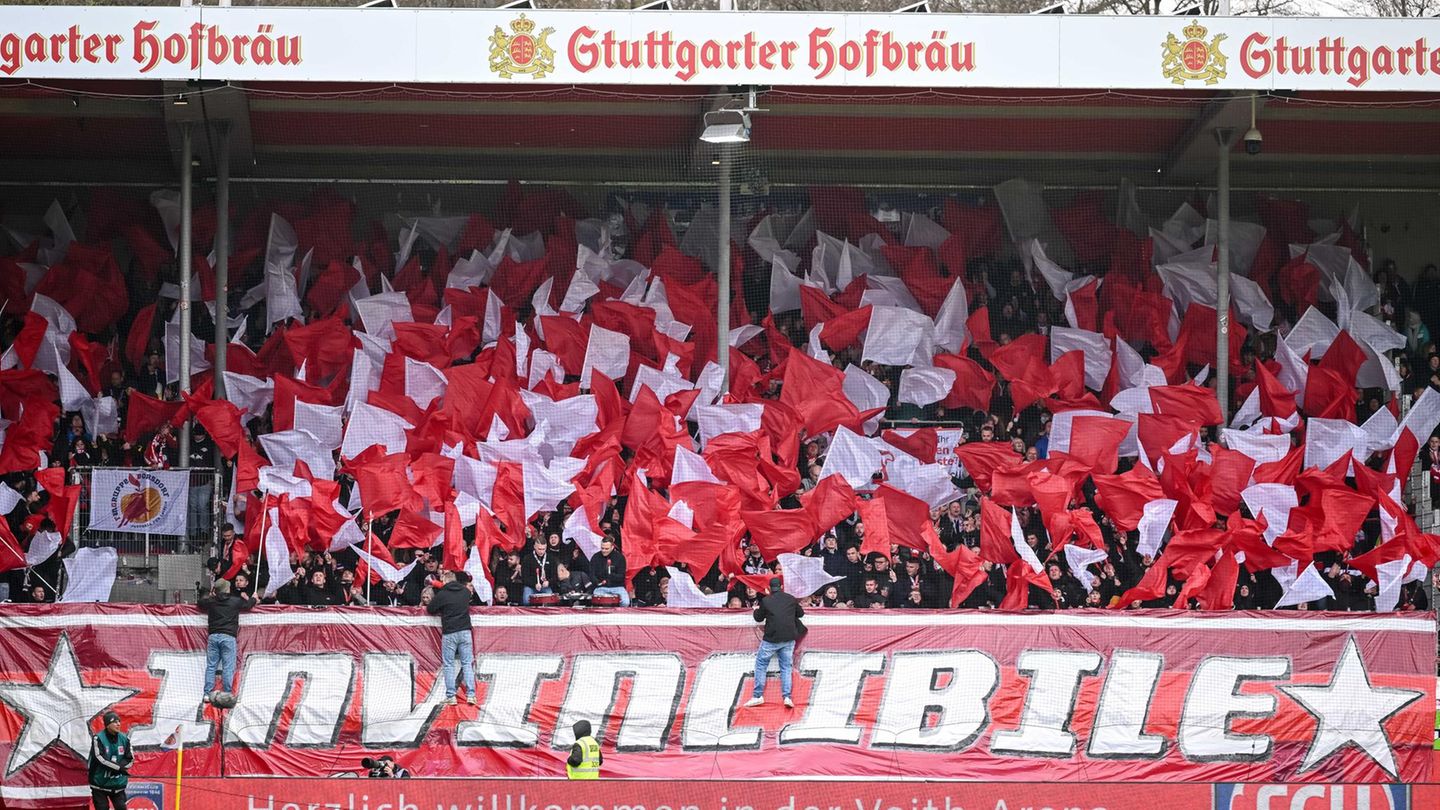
column 452, row 604
column 110, row 759
column 781, row 614
column 585, row 756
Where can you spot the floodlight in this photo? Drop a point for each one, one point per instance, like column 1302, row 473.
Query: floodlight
column 726, row 126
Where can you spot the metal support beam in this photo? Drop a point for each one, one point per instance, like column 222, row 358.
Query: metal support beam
column 222, row 254
column 186, row 210
column 1224, row 138
column 722, row 270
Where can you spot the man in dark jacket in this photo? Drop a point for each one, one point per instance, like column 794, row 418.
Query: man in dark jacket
column 110, row 759
column 223, row 610
column 607, row 569
column 781, row 614
column 537, row 570
column 452, row 604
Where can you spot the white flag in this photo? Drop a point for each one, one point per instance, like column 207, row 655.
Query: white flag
column 543, row 488
column 1079, row 559
column 42, row 546
column 689, row 466
column 717, row 420
column 899, row 337
column 1154, row 521
column 1306, row 587
column 320, row 421
column 378, row 312
column 854, row 458
column 475, row 567
column 251, row 394
column 951, row 321
column 277, row 555
column 1095, row 346
column 803, row 575
column 423, row 382
column 606, row 352
column 387, row 572
column 89, row 575
column 1326, row 440
column 684, row 593
column 577, row 528
column 286, row 447
column 370, row 426
column 925, row 386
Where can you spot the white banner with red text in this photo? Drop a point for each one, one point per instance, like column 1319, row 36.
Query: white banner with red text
column 1146, row 696
column 520, row 48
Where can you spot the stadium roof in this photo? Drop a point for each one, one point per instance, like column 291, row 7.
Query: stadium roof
column 126, row 131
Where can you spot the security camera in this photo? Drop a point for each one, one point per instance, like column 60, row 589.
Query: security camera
column 1253, row 141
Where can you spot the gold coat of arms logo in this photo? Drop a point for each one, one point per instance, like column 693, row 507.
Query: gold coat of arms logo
column 521, row 53
column 1192, row 59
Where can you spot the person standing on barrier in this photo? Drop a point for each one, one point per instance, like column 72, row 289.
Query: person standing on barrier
column 110, row 759
column 585, row 755
column 223, row 610
column 781, row 614
column 452, row 604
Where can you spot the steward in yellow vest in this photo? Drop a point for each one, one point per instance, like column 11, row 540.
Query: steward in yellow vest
column 585, row 757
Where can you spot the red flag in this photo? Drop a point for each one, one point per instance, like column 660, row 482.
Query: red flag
column 1018, row 579
column 1123, row 497
column 778, row 531
column 414, row 530
column 145, row 414
column 384, row 484
column 831, row 501
column 982, row 459
column 11, row 556
column 922, row 443
column 997, row 543
column 1275, row 399
column 1095, row 442
column 221, row 419
column 962, row 565
column 895, row 517
column 508, row 497
column 1188, row 401
column 1229, row 475
column 973, row 384
column 1150, row 587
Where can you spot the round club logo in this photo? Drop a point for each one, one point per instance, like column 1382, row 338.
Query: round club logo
column 138, row 500
column 1193, row 59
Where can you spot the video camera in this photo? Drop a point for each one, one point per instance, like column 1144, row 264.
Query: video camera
column 383, row 768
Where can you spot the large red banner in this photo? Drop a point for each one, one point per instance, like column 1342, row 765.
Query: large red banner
column 1084, row 696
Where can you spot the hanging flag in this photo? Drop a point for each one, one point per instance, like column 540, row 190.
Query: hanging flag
column 140, row 501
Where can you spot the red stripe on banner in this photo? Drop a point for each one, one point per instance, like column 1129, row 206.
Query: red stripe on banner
column 1153, row 696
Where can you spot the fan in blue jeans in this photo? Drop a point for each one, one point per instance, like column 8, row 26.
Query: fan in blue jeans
column 781, row 614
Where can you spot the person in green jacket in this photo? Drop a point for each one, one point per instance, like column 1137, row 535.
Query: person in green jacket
column 110, row 758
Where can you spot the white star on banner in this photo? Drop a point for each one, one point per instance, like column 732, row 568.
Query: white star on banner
column 1349, row 711
column 57, row 710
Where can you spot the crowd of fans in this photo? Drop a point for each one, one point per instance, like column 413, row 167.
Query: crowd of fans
column 552, row 563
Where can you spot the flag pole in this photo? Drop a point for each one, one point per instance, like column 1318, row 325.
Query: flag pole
column 30, row 568
column 179, row 769
column 369, row 549
column 260, row 560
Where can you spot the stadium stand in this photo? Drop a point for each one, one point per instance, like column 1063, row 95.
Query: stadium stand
column 917, row 414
